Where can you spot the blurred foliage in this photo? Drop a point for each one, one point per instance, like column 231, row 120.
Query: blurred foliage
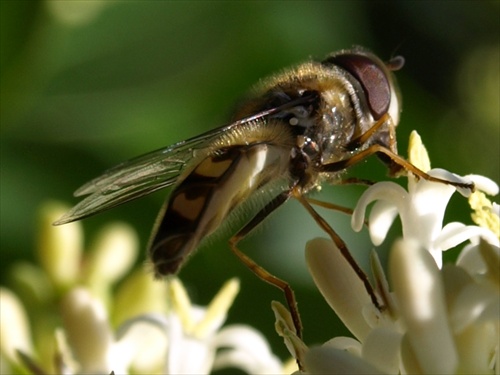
column 85, row 85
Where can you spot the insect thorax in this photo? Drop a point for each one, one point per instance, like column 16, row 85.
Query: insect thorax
column 322, row 127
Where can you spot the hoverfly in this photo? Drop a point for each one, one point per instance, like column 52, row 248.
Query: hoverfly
column 300, row 128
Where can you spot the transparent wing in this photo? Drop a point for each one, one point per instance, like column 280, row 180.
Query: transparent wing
column 153, row 171
column 136, row 178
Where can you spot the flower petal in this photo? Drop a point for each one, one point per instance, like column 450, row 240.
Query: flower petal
column 452, row 177
column 143, row 343
column 285, row 328
column 473, row 300
column 476, row 346
column 243, row 338
column 186, row 353
column 423, row 217
column 113, row 254
column 388, row 191
column 381, row 349
column 417, row 284
column 88, row 331
column 455, row 233
column 192, row 357
column 332, row 361
column 249, row 351
column 485, row 184
column 59, row 248
column 14, row 327
column 382, row 216
column 339, row 284
column 347, row 344
column 247, row 362
column 480, row 258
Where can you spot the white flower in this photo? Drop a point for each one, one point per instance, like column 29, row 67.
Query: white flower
column 346, row 294
column 159, row 330
column 188, row 340
column 421, row 209
column 431, row 319
column 436, row 321
column 14, row 329
column 89, row 336
column 196, row 343
column 61, row 255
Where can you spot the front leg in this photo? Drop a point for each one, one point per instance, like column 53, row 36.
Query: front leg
column 394, row 161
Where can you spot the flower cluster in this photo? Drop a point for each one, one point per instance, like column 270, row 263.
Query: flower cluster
column 68, row 316
column 424, row 318
column 431, row 319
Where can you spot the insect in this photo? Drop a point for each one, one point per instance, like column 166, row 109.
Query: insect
column 299, row 129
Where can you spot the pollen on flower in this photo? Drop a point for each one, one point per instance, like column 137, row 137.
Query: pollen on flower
column 417, row 153
column 483, row 214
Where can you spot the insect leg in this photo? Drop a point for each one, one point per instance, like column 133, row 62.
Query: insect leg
column 262, row 273
column 333, row 206
column 385, row 138
column 336, row 207
column 355, row 181
column 341, row 245
column 393, row 158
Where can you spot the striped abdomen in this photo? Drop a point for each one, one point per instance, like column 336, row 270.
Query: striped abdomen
column 207, row 195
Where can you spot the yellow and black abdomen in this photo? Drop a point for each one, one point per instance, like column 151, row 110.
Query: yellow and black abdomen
column 210, row 191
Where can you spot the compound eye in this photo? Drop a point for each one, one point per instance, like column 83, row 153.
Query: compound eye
column 372, row 78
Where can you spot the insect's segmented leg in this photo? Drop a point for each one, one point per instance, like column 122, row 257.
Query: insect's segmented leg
column 355, row 181
column 342, row 247
column 394, row 159
column 262, row 273
column 330, row 206
column 386, row 139
column 336, row 207
column 333, row 206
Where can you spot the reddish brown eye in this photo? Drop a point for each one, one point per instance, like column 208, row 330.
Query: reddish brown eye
column 371, row 77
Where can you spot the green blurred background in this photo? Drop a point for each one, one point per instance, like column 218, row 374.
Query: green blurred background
column 85, row 85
